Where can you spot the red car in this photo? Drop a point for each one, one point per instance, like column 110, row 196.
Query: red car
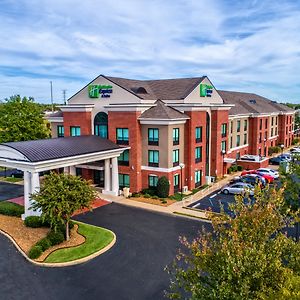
column 268, row 178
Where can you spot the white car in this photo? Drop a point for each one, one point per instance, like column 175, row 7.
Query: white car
column 295, row 150
column 238, row 188
column 270, row 172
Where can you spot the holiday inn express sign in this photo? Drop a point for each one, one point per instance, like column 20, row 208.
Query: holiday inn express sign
column 205, row 90
column 98, row 90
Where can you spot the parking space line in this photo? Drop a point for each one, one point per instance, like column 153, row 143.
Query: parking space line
column 213, row 196
column 196, row 205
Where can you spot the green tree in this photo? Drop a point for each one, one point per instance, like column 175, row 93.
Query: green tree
column 60, row 196
column 163, row 187
column 21, row 119
column 245, row 257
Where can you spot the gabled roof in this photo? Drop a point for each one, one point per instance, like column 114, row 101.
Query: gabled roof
column 49, row 149
column 163, row 112
column 246, row 103
column 164, row 89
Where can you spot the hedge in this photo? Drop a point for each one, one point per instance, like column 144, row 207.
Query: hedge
column 11, row 209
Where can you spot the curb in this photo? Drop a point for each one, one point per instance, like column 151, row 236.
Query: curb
column 64, row 264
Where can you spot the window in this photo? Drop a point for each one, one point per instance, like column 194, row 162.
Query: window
column 60, row 131
column 238, row 126
column 223, row 145
column 260, row 124
column 238, row 140
column 272, row 121
column 276, row 120
column 101, row 125
column 198, row 134
column 245, row 125
column 266, row 123
column 245, row 138
column 175, row 158
column 123, row 159
column 176, row 183
column 224, row 129
column 198, row 154
column 175, row 136
column 122, row 136
column 276, row 131
column 271, row 131
column 152, row 181
column 198, row 176
column 153, row 136
column 231, row 143
column 231, row 127
column 124, row 181
column 74, row 130
column 153, row 158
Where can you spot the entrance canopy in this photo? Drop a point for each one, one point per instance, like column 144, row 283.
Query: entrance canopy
column 37, row 156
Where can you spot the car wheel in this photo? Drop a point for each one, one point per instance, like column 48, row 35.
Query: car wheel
column 226, row 192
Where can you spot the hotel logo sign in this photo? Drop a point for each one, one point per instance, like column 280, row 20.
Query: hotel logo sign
column 206, row 90
column 97, row 90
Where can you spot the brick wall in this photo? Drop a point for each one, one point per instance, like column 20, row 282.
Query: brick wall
column 82, row 119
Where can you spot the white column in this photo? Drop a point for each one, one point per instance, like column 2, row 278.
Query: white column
column 72, row 170
column 27, row 191
column 66, row 170
column 35, row 187
column 107, row 175
column 115, row 176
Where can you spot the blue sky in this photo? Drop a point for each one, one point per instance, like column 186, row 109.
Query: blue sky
column 251, row 46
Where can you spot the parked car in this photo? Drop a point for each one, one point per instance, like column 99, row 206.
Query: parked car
column 238, row 188
column 277, row 160
column 252, row 179
column 295, row 150
column 17, row 174
column 268, row 171
column 269, row 178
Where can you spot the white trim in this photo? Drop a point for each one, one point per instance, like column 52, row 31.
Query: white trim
column 161, row 122
column 55, row 119
column 237, row 148
column 164, row 170
column 77, row 108
column 273, row 137
column 229, row 160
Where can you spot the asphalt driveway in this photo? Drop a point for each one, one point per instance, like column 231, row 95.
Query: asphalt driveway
column 10, row 190
column 132, row 269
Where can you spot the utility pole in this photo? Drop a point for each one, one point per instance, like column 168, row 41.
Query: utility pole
column 64, row 95
column 51, row 95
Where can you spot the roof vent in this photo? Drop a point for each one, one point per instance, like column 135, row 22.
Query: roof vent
column 139, row 90
column 253, row 101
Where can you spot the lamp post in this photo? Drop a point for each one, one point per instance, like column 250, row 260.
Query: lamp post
column 223, row 152
column 181, row 165
column 282, row 147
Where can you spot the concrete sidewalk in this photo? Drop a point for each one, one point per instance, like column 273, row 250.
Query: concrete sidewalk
column 178, row 208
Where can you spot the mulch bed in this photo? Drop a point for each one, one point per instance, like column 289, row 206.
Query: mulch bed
column 153, row 201
column 26, row 237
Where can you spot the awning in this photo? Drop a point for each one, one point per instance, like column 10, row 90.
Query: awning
column 229, row 160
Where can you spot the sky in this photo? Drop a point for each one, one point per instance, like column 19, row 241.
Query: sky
column 251, row 46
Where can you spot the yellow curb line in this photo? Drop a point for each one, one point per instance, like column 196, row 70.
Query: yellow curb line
column 65, row 264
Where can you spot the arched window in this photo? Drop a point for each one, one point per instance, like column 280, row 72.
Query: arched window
column 100, row 125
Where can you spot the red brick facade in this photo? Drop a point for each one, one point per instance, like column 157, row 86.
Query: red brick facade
column 81, row 119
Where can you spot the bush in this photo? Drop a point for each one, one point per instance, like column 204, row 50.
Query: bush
column 44, row 243
column 234, row 168
column 147, row 196
column 176, row 197
column 163, row 201
column 136, row 195
column 35, row 252
column 163, row 187
column 34, row 222
column 273, row 150
column 239, row 168
column 11, row 209
column 155, row 197
column 150, row 192
column 295, row 141
column 55, row 238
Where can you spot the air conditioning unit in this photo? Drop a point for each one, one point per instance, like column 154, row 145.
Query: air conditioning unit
column 185, row 189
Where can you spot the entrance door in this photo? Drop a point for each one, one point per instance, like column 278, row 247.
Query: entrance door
column 99, row 177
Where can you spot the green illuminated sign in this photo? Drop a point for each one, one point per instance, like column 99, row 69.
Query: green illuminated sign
column 206, row 90
column 97, row 90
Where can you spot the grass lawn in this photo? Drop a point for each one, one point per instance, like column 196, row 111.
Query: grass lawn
column 11, row 179
column 96, row 239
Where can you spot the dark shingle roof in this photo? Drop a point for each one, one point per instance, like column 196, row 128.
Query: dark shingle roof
column 164, row 89
column 246, row 103
column 48, row 149
column 162, row 112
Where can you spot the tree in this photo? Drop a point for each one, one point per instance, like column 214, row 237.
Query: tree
column 163, row 187
column 60, row 196
column 21, row 119
column 245, row 257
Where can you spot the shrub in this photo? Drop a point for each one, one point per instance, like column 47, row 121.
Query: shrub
column 203, row 186
column 163, row 187
column 155, row 197
column 44, row 243
column 150, row 192
column 136, row 195
column 11, row 209
column 35, row 252
column 147, row 196
column 164, row 201
column 55, row 238
column 34, row 222
column 273, row 150
column 176, row 197
column 295, row 141
column 239, row 168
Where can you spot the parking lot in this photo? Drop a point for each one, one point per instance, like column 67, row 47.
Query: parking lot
column 10, row 190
